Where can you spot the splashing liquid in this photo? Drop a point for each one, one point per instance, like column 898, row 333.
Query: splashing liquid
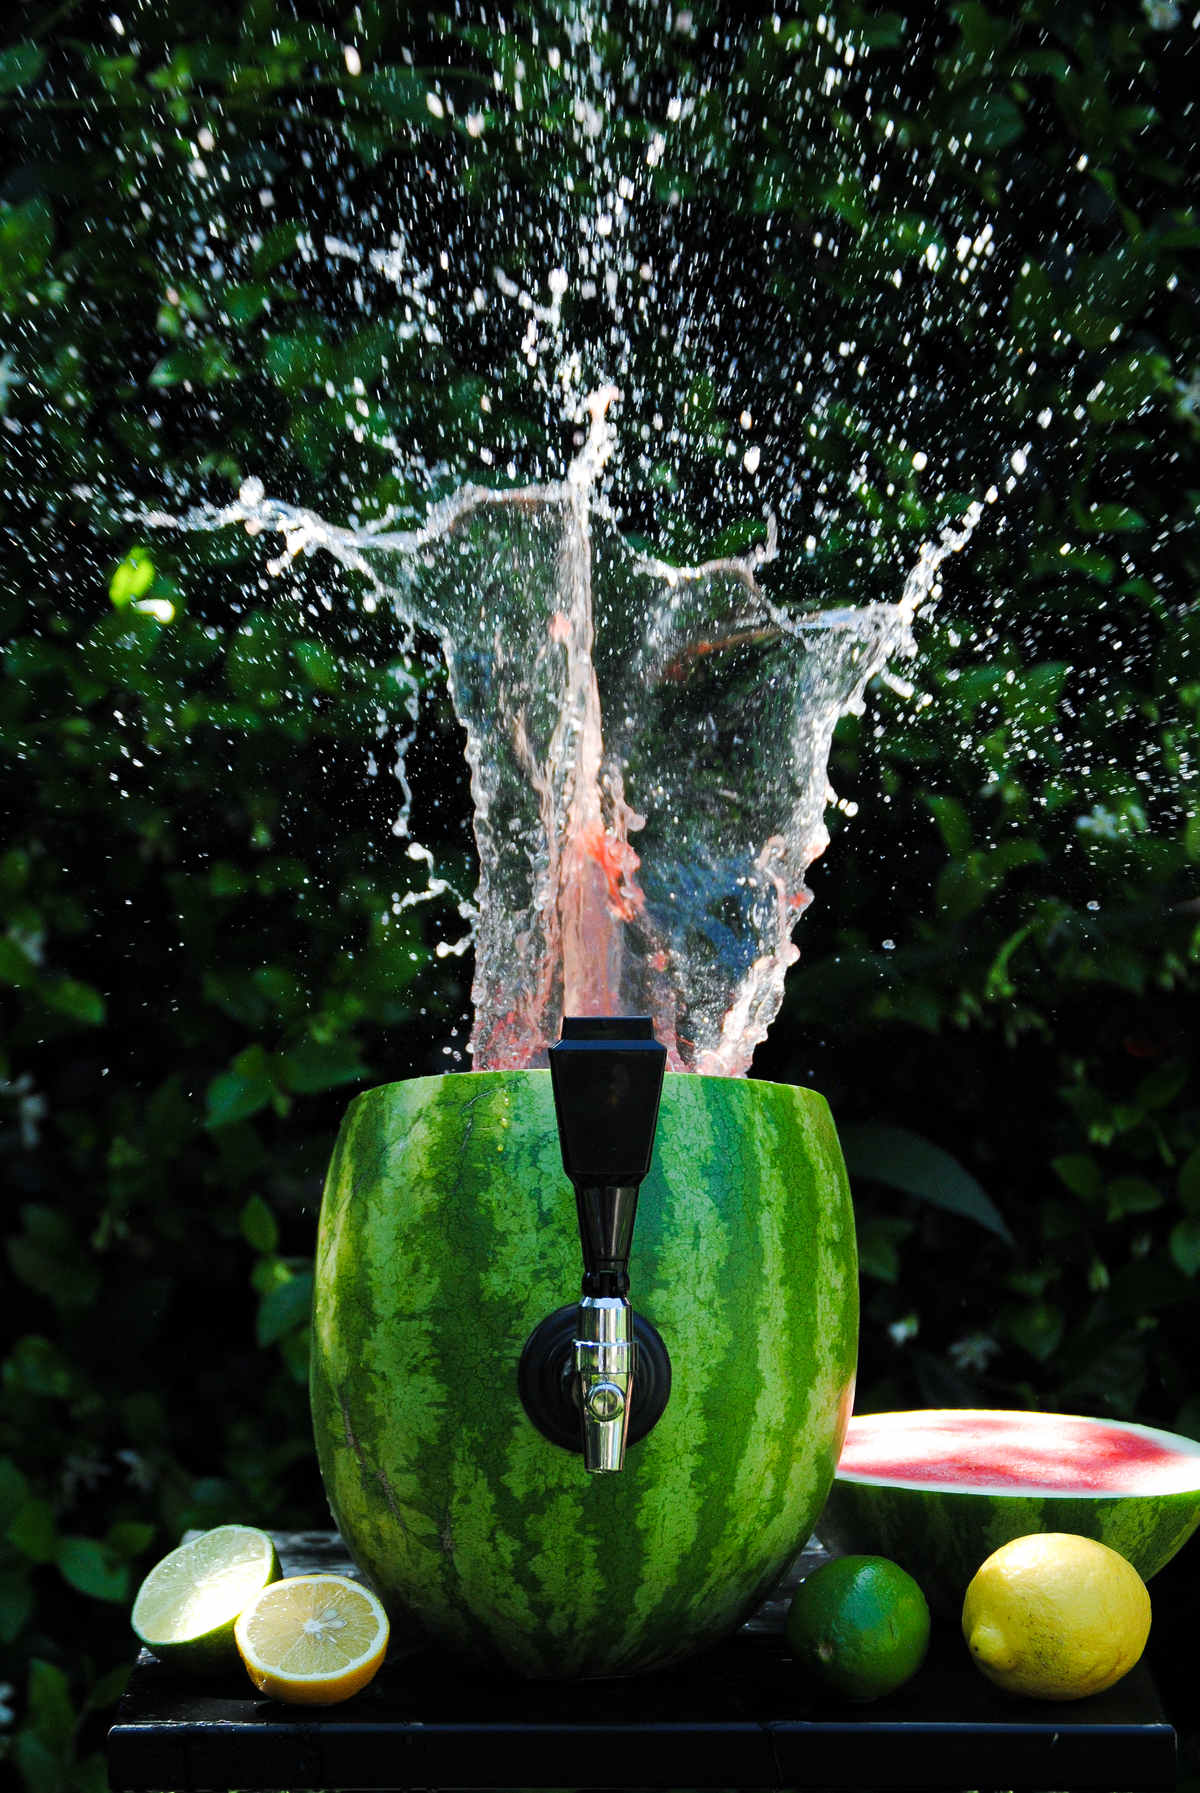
column 648, row 747
column 648, row 743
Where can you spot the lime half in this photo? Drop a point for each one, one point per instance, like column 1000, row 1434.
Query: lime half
column 186, row 1608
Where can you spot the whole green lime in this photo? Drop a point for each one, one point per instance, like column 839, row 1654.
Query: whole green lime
column 860, row 1625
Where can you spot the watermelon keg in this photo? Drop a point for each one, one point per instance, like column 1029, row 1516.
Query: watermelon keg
column 552, row 1480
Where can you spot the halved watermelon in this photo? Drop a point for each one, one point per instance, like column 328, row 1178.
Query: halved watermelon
column 446, row 1238
column 938, row 1489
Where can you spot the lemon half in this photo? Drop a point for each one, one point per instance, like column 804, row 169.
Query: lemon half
column 312, row 1640
column 1055, row 1616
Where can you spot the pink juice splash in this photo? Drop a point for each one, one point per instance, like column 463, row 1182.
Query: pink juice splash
column 649, row 776
column 648, row 748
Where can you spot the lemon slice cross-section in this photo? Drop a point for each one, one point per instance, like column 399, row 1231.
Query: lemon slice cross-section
column 312, row 1640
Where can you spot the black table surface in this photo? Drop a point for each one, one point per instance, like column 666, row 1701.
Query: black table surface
column 739, row 1716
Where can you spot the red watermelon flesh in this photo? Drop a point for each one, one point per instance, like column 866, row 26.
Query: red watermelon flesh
column 938, row 1490
column 1026, row 1451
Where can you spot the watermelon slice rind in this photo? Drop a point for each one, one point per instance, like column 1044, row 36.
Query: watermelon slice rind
column 937, row 1490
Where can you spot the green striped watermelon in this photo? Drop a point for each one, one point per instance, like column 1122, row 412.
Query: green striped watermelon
column 447, row 1233
column 939, row 1489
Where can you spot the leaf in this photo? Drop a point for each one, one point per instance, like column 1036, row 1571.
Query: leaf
column 1043, row 62
column 256, row 660
column 999, row 986
column 254, row 1073
column 397, row 92
column 278, row 245
column 295, row 1350
column 129, row 1537
column 14, row 1489
column 33, row 1531
column 1161, row 1086
column 20, row 66
column 1189, row 1182
column 203, row 364
column 239, row 994
column 233, row 1096
column 39, row 1367
column 982, row 34
column 1034, row 305
column 1091, row 328
column 26, row 237
column 296, row 361
column 993, row 120
column 311, row 1066
column 16, row 1603
column 287, row 1305
column 963, row 885
column 1037, row 1328
column 1131, row 1195
column 879, row 1236
column 107, row 1689
column 41, row 1769
column 1116, row 519
column 1080, row 1173
column 259, row 1227
column 16, row 966
column 1145, row 1287
column 952, row 822
column 1185, row 1244
column 132, row 578
column 171, row 370
column 881, row 30
column 88, row 1566
column 1033, row 699
column 67, row 996
column 318, row 665
column 960, row 887
column 1129, row 385
column 904, row 1160
column 89, row 1774
column 1191, row 837
column 245, row 301
column 51, row 1713
column 46, row 1256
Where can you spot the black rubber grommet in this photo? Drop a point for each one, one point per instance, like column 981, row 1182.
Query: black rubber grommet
column 546, row 1381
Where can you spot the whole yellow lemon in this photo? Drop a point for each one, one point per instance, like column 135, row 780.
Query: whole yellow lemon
column 1055, row 1616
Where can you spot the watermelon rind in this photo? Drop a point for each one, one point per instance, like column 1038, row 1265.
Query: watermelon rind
column 941, row 1532
column 447, row 1233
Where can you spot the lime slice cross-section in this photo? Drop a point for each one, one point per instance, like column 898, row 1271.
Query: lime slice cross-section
column 186, row 1607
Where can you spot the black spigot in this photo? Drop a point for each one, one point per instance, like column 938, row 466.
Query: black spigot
column 607, row 1074
column 579, row 1367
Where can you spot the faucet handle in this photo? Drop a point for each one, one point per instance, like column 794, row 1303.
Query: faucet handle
column 603, row 1350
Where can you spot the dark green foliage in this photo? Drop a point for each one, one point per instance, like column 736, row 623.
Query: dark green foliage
column 204, row 945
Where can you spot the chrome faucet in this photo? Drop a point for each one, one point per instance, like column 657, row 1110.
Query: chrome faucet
column 594, row 1375
column 603, row 1355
